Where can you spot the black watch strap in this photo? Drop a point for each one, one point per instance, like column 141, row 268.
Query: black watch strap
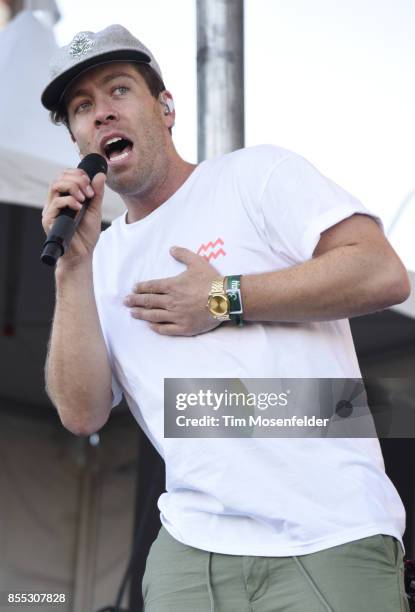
column 233, row 291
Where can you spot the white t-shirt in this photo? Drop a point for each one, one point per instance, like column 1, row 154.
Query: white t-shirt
column 254, row 210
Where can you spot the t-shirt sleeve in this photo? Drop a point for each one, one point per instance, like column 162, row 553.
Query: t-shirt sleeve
column 116, row 392
column 298, row 203
column 115, row 386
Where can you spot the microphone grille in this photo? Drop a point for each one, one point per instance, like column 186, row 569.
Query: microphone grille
column 92, row 164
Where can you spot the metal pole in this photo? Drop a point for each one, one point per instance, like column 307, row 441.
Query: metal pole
column 220, row 77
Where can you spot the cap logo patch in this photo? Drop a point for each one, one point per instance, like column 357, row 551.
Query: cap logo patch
column 80, row 45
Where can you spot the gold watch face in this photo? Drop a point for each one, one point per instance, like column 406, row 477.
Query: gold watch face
column 219, row 305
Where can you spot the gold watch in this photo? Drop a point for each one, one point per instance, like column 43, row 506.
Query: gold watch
column 218, row 301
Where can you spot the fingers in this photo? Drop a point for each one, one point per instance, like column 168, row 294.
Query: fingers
column 50, row 213
column 153, row 316
column 98, row 182
column 159, row 286
column 153, row 308
column 65, row 188
column 98, row 186
column 71, row 202
column 166, row 329
column 73, row 188
column 148, row 300
column 73, row 181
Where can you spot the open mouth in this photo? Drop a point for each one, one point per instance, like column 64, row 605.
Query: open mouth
column 117, row 148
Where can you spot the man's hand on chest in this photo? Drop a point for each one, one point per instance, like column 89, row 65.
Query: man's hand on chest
column 176, row 306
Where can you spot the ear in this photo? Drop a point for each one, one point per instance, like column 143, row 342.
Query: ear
column 169, row 113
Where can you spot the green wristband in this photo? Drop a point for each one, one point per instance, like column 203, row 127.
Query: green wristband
column 233, row 291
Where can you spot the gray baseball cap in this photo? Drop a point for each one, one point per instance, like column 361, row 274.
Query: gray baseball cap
column 87, row 49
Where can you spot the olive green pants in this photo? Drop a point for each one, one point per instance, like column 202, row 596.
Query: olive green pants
column 365, row 575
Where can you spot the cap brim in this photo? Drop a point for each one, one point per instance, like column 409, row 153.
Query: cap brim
column 52, row 94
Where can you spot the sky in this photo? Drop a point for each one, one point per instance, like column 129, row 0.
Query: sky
column 329, row 79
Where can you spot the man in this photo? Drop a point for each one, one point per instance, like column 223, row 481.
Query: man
column 248, row 524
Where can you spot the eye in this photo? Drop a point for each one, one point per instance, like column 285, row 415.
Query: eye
column 81, row 107
column 121, row 89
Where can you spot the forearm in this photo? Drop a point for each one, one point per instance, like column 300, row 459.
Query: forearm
column 345, row 282
column 78, row 373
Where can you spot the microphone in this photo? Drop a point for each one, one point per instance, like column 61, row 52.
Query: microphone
column 65, row 224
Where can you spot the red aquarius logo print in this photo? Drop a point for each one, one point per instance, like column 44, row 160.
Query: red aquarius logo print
column 213, row 254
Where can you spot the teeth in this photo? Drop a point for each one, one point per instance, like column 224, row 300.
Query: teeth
column 111, row 140
column 121, row 156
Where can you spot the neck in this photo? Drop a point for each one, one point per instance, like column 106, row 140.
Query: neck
column 142, row 204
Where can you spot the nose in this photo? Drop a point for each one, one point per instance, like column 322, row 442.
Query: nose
column 104, row 114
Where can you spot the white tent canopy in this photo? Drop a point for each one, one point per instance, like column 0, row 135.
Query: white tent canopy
column 33, row 151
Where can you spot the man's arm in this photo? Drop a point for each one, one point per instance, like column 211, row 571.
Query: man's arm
column 354, row 271
column 78, row 373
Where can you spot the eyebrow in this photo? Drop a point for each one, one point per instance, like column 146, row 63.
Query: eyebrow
column 106, row 79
